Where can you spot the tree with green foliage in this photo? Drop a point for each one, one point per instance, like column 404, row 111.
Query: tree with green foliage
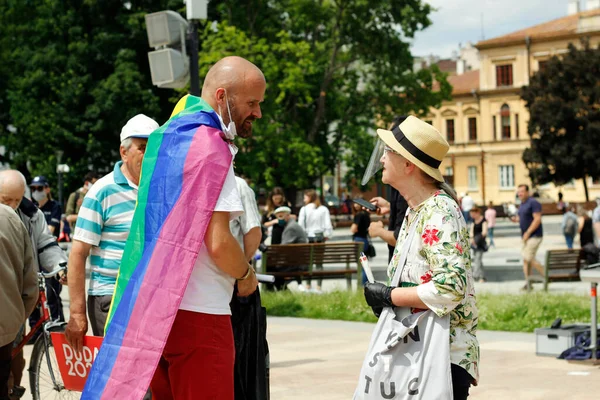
column 335, row 70
column 71, row 74
column 563, row 101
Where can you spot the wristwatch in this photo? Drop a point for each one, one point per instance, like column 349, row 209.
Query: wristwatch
column 247, row 274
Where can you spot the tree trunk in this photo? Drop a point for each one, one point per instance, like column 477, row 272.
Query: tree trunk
column 587, row 195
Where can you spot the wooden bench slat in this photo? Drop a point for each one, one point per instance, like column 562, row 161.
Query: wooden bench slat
column 312, row 254
column 563, row 265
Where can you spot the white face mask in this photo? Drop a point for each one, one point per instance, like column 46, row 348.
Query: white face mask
column 38, row 196
column 229, row 130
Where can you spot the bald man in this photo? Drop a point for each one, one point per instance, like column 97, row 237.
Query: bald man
column 198, row 359
column 47, row 254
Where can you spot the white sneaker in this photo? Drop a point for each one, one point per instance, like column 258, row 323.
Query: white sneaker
column 302, row 289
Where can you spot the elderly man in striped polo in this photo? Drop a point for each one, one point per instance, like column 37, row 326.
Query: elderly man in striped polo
column 103, row 225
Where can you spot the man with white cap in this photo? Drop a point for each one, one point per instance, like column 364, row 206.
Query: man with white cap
column 103, row 226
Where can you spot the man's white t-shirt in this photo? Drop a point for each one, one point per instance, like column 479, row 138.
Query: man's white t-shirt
column 210, row 289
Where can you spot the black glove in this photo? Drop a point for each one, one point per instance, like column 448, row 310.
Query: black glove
column 377, row 311
column 378, row 295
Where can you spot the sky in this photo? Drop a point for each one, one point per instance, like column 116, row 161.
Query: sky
column 459, row 21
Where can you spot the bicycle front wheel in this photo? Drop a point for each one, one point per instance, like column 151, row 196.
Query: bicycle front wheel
column 44, row 375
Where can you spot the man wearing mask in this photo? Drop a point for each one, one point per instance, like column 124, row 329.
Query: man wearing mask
column 46, row 253
column 40, row 192
column 103, row 226
column 76, row 198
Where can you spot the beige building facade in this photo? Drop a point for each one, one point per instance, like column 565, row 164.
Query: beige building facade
column 486, row 122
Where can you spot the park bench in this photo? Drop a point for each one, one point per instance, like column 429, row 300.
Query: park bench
column 310, row 254
column 563, row 265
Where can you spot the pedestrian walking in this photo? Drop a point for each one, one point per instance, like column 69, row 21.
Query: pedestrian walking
column 529, row 218
column 490, row 217
column 569, row 225
column 586, row 229
column 466, row 205
column 479, row 231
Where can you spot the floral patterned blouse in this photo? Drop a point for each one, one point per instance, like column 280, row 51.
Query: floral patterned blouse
column 439, row 262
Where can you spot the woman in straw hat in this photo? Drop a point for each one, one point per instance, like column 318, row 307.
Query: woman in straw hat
column 437, row 273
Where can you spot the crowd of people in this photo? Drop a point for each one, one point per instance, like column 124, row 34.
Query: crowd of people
column 436, row 243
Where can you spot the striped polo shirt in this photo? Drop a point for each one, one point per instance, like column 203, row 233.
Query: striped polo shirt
column 104, row 221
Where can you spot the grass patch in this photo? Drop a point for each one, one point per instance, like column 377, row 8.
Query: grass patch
column 499, row 312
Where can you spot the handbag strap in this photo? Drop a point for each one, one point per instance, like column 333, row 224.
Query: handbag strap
column 405, row 249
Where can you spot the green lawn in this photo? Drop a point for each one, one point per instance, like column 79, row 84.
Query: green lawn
column 499, row 312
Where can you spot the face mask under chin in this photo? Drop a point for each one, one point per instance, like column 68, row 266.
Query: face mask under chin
column 229, row 130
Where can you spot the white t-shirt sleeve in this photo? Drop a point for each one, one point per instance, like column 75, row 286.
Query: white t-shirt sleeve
column 229, row 199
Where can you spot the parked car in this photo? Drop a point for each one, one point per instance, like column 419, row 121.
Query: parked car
column 333, row 203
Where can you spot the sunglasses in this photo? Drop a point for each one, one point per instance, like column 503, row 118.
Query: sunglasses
column 37, row 188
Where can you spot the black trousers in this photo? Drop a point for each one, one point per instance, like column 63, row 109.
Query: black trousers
column 461, row 382
column 53, row 289
column 5, row 356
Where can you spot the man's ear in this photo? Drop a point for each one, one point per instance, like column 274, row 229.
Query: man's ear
column 220, row 96
column 123, row 153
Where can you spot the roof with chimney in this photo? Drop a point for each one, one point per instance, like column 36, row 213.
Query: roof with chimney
column 561, row 27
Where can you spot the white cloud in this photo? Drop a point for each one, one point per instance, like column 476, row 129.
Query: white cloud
column 459, row 21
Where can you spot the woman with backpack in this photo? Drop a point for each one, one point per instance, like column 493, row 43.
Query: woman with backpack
column 569, row 226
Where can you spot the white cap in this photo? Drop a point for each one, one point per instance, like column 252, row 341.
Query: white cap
column 139, row 126
column 283, row 209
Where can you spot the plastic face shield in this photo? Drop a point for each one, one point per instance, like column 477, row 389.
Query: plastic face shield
column 374, row 164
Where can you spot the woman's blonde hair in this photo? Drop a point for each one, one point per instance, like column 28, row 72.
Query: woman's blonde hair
column 313, row 197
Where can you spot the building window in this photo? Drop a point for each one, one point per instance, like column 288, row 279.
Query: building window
column 542, row 65
column 473, row 129
column 450, row 130
column 517, row 126
column 495, row 129
column 472, row 178
column 505, row 121
column 449, row 171
column 507, row 176
column 504, row 76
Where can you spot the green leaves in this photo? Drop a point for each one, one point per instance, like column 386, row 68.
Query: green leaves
column 564, row 123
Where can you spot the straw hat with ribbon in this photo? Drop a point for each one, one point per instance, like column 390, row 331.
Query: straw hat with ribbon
column 418, row 142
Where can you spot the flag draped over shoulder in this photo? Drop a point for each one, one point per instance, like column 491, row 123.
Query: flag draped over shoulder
column 184, row 168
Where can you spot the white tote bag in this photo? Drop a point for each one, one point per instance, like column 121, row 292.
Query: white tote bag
column 409, row 354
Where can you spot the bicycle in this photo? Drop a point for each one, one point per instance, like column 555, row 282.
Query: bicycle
column 44, row 375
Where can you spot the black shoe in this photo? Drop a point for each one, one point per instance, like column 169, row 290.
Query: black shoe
column 16, row 392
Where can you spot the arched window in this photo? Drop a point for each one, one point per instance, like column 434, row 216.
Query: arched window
column 505, row 121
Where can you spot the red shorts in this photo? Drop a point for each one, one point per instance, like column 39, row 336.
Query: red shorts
column 197, row 362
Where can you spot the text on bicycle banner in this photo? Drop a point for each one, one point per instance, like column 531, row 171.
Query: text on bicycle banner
column 75, row 367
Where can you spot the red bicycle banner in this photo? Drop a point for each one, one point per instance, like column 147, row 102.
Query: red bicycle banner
column 74, row 366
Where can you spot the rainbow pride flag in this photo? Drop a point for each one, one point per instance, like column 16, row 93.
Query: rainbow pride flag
column 184, row 168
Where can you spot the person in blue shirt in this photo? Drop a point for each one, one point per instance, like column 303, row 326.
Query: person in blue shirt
column 529, row 218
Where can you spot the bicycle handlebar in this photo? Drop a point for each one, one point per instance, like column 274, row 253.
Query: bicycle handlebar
column 59, row 268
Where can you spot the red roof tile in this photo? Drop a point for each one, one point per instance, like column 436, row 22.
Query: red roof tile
column 559, row 27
